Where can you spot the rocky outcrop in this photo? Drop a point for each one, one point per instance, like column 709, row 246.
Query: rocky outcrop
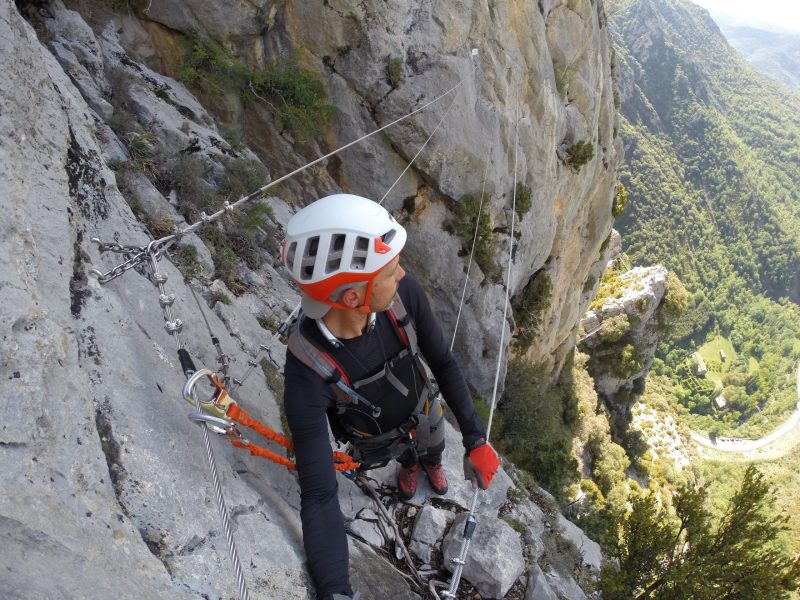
column 622, row 334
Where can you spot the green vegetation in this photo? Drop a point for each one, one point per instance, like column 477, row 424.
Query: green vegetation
column 242, row 237
column 538, row 424
column 394, row 72
column 580, row 153
column 611, row 285
column 783, row 474
column 681, row 551
column 462, row 225
column 185, row 258
column 523, row 199
column 528, row 307
column 712, row 352
column 713, row 178
column 296, row 95
column 620, row 201
column 676, row 300
column 220, row 296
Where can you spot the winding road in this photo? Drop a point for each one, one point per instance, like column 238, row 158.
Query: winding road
column 776, row 444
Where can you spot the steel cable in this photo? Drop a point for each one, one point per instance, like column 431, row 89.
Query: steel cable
column 460, row 561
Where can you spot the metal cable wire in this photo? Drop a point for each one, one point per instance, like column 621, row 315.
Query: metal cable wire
column 155, row 248
column 223, row 509
column 228, row 207
column 411, row 162
column 471, row 256
column 173, row 327
column 460, row 561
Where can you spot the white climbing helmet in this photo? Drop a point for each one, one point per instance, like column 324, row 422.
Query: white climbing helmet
column 338, row 242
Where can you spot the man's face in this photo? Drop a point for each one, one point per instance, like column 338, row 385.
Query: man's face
column 385, row 285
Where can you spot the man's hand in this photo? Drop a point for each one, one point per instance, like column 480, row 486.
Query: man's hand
column 480, row 465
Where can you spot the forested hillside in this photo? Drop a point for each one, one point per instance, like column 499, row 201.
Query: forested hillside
column 713, row 176
column 774, row 53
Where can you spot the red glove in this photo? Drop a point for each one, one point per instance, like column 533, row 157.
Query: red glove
column 481, row 464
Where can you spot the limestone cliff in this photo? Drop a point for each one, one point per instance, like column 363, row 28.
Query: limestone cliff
column 107, row 489
column 544, row 68
column 623, row 330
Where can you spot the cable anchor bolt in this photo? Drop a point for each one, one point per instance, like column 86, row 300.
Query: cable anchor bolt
column 166, row 300
column 173, row 327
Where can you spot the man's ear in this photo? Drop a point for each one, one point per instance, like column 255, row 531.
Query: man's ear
column 353, row 297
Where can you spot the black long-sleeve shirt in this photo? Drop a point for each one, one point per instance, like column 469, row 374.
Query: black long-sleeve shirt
column 308, row 399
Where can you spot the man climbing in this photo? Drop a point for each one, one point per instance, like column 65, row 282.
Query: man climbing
column 368, row 358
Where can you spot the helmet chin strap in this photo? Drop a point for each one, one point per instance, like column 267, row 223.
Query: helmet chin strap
column 366, row 308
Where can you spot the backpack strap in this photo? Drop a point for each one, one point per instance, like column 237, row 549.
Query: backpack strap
column 326, row 367
column 408, row 333
column 402, row 322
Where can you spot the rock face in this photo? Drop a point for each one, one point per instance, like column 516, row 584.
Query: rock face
column 497, row 566
column 107, row 491
column 622, row 335
column 541, row 76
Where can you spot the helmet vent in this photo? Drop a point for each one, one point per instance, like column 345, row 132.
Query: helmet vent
column 309, row 258
column 360, row 253
column 388, row 236
column 290, row 255
column 335, row 253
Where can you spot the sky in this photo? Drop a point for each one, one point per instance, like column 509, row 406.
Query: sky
column 772, row 14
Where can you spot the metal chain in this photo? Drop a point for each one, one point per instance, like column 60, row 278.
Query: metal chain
column 134, row 255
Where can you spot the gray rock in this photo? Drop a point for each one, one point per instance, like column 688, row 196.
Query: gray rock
column 532, row 517
column 494, row 561
column 107, row 471
column 590, row 550
column 639, row 299
column 105, row 462
column 366, row 527
column 429, row 527
column 564, row 586
column 375, row 576
column 538, row 588
column 147, row 199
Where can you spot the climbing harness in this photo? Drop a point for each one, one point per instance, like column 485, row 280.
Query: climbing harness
column 424, row 428
column 217, row 413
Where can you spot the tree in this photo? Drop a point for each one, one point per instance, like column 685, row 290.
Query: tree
column 686, row 553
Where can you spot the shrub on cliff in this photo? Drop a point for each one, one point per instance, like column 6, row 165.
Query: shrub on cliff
column 469, row 211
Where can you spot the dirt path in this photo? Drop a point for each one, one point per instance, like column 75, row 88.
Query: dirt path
column 773, row 445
